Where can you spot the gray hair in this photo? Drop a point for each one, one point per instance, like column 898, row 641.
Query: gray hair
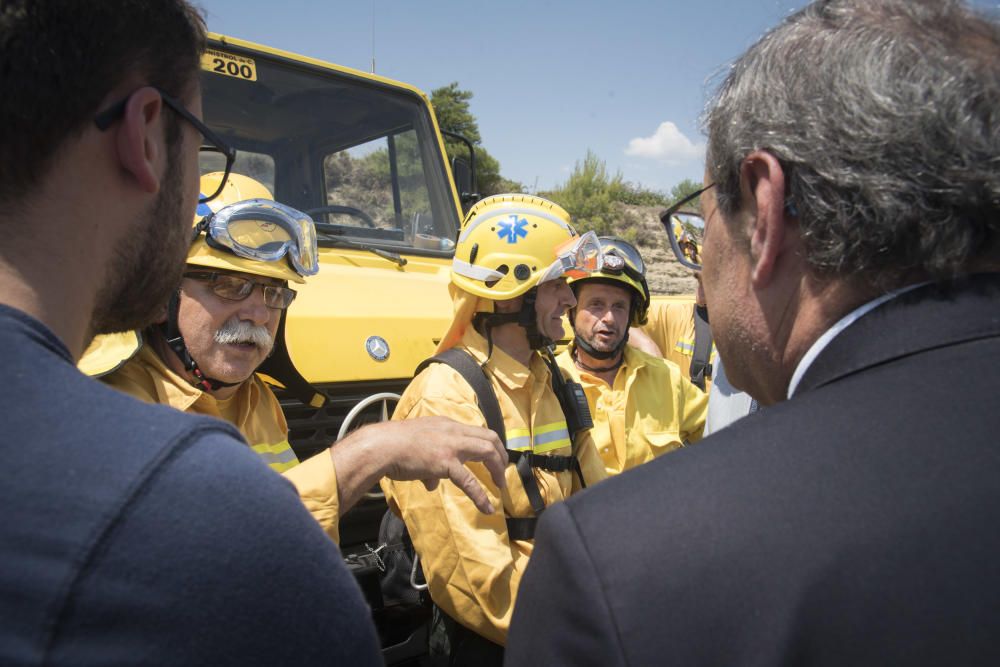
column 885, row 117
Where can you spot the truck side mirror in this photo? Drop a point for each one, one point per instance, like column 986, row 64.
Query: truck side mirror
column 462, row 172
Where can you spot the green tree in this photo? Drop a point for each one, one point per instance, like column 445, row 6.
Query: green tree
column 451, row 106
column 588, row 194
column 636, row 195
column 683, row 189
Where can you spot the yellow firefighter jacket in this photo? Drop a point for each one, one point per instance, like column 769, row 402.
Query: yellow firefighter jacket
column 650, row 410
column 255, row 411
column 671, row 326
column 471, row 565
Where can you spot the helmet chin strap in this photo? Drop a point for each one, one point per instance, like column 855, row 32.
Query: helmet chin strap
column 526, row 317
column 528, row 320
column 603, row 355
column 172, row 334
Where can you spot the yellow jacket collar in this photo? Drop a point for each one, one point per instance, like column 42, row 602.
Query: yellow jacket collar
column 502, row 366
column 175, row 390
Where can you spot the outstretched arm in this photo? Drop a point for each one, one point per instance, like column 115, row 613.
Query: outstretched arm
column 427, row 449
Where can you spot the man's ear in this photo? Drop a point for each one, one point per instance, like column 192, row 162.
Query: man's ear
column 161, row 314
column 763, row 182
column 142, row 139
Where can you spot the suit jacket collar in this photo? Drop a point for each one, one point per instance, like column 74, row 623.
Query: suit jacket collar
column 935, row 315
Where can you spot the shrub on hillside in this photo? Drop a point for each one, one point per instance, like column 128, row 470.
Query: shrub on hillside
column 636, row 195
column 587, row 195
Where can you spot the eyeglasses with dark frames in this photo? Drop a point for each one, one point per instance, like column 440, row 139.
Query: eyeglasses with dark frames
column 238, row 288
column 677, row 245
column 215, row 143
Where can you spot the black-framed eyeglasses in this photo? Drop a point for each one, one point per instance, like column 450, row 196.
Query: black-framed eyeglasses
column 686, row 249
column 213, row 142
column 237, row 288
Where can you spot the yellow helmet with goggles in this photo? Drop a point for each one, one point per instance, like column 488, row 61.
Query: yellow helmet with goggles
column 245, row 230
column 622, row 265
column 508, row 245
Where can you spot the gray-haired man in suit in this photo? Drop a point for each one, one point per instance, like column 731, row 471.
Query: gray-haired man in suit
column 852, row 212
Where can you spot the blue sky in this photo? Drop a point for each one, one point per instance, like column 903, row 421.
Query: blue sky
column 551, row 78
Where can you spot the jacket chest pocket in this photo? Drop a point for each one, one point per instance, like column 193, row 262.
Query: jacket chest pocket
column 661, row 442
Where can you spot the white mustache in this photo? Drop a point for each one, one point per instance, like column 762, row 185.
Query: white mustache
column 237, row 331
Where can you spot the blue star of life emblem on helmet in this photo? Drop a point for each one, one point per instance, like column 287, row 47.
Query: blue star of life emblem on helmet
column 513, row 230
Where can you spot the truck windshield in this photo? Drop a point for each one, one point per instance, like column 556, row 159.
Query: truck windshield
column 359, row 155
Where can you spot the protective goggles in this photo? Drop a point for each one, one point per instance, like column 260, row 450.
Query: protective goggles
column 238, row 288
column 263, row 230
column 576, row 258
column 619, row 256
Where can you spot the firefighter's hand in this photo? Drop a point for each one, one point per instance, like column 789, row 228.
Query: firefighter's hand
column 434, row 448
column 426, row 449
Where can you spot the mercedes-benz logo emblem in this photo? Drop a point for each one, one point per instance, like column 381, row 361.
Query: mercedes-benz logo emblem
column 377, row 348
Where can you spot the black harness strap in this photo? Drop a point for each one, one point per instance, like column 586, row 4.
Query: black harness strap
column 518, row 528
column 701, row 369
column 523, row 466
column 551, row 463
column 521, row 529
column 475, row 376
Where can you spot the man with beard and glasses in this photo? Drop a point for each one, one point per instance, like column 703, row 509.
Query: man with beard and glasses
column 642, row 405
column 219, row 327
column 132, row 533
column 851, row 257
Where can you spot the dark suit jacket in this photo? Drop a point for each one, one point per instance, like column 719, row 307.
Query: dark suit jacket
column 856, row 524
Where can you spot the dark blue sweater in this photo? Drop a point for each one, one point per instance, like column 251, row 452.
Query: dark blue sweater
column 135, row 534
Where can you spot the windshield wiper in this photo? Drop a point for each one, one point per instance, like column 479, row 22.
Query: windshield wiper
column 344, row 243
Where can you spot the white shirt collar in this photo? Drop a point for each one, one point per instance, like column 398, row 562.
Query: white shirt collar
column 847, row 320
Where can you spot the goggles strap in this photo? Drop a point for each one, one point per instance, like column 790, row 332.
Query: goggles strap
column 202, row 226
column 175, row 341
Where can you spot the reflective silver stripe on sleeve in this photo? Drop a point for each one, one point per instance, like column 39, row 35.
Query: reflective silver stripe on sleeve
column 519, row 443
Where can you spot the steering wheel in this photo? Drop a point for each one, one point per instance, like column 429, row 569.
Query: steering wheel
column 343, row 210
column 385, row 398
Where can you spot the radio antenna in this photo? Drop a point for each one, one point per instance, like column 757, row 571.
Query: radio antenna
column 373, row 36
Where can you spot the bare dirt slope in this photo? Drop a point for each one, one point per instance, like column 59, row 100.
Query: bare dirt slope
column 664, row 273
